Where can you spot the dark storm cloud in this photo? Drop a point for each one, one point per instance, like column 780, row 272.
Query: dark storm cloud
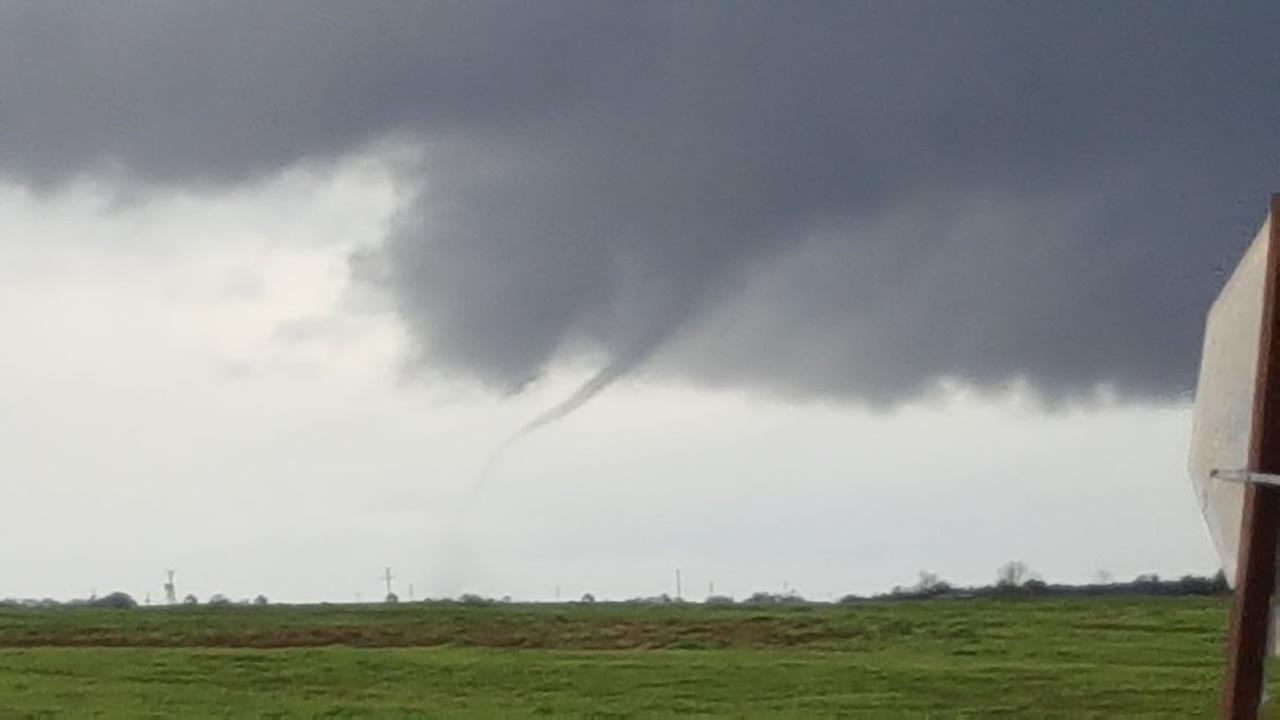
column 825, row 198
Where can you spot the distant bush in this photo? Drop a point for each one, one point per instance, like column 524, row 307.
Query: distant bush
column 117, row 600
column 663, row 599
column 219, row 599
column 1194, row 585
column 767, row 598
column 260, row 600
column 191, row 600
column 929, row 585
column 473, row 599
column 588, row 598
column 392, row 598
column 720, row 600
column 1013, row 574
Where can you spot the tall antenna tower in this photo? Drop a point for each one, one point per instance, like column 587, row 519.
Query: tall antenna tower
column 388, row 577
column 170, row 592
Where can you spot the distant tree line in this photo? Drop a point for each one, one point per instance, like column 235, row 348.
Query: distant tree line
column 1013, row 580
column 123, row 601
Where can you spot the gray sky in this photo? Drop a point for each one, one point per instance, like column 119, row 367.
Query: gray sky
column 276, row 279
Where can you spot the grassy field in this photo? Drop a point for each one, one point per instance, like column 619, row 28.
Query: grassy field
column 944, row 658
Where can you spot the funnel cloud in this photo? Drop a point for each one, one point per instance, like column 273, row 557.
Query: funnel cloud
column 845, row 200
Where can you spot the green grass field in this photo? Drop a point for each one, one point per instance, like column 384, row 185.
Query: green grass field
column 1096, row 657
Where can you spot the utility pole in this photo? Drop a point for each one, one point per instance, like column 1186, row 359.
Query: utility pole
column 388, row 577
column 678, row 590
column 711, row 589
column 170, row 592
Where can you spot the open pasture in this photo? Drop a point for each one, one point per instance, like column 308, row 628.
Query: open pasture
column 1084, row 657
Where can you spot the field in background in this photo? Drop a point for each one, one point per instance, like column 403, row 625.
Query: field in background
column 1102, row 657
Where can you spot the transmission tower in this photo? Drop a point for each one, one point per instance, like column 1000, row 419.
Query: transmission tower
column 170, row 592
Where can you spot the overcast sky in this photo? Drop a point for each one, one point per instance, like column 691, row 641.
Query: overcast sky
column 846, row 290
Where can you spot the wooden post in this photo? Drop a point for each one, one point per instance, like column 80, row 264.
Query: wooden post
column 1260, row 523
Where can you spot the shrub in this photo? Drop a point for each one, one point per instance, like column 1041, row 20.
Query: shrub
column 117, row 600
column 767, row 598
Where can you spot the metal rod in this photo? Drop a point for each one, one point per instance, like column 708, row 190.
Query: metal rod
column 1246, row 477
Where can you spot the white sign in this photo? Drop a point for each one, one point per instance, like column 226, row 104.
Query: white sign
column 1222, row 423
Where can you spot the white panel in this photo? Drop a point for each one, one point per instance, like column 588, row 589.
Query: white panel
column 1224, row 399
